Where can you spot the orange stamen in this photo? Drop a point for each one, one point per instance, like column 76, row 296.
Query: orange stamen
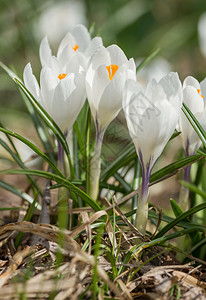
column 198, row 90
column 62, row 76
column 112, row 69
column 75, row 47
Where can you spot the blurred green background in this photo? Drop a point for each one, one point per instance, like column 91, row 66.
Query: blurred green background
column 138, row 27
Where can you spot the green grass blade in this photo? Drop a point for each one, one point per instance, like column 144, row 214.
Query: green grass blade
column 147, row 59
column 10, row 141
column 18, row 160
column 123, row 158
column 42, row 133
column 45, row 116
column 195, row 124
column 173, row 168
column 60, row 180
column 33, row 147
column 18, row 193
column 193, row 188
column 180, row 218
column 176, row 208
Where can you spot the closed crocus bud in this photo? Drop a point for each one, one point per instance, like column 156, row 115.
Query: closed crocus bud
column 152, row 115
column 107, row 72
column 194, row 94
column 75, row 49
column 61, row 95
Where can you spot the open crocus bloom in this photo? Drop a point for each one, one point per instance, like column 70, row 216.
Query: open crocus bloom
column 151, row 116
column 61, row 95
column 105, row 78
column 75, row 49
column 194, row 94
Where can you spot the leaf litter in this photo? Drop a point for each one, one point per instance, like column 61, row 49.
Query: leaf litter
column 34, row 270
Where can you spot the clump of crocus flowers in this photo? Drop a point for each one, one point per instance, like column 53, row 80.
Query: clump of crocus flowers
column 84, row 68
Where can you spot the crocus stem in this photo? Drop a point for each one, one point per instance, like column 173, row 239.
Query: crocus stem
column 62, row 192
column 184, row 191
column 142, row 207
column 95, row 166
column 60, row 162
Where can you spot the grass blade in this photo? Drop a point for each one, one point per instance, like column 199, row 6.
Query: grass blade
column 33, row 147
column 60, row 180
column 195, row 124
column 180, row 218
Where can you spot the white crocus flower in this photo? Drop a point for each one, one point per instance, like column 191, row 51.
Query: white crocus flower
column 75, row 49
column 194, row 94
column 152, row 116
column 61, row 95
column 107, row 72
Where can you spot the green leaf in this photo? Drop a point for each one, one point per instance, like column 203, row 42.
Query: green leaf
column 18, row 193
column 42, row 133
column 193, row 188
column 148, row 59
column 180, row 218
column 122, row 159
column 176, row 208
column 174, row 167
column 60, row 180
column 195, row 124
column 33, row 147
column 18, row 160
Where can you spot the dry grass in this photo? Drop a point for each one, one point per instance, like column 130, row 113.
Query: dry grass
column 32, row 272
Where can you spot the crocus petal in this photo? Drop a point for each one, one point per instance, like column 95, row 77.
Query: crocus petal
column 203, row 88
column 45, row 52
column 173, row 89
column 111, row 100
column 30, row 81
column 100, row 57
column 117, row 56
column 67, row 42
column 81, row 36
column 189, row 80
column 76, row 64
column 193, row 97
column 148, row 121
column 93, row 46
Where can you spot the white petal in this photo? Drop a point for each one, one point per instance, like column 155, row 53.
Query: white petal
column 96, row 87
column 93, row 46
column 196, row 104
column 100, row 57
column 203, row 88
column 189, row 80
column 68, row 41
column 149, row 123
column 82, row 37
column 117, row 55
column 173, row 89
column 45, row 52
column 48, row 82
column 31, row 82
column 76, row 64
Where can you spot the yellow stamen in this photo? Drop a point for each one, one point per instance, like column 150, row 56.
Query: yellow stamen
column 112, row 69
column 75, row 47
column 62, row 76
column 198, row 90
